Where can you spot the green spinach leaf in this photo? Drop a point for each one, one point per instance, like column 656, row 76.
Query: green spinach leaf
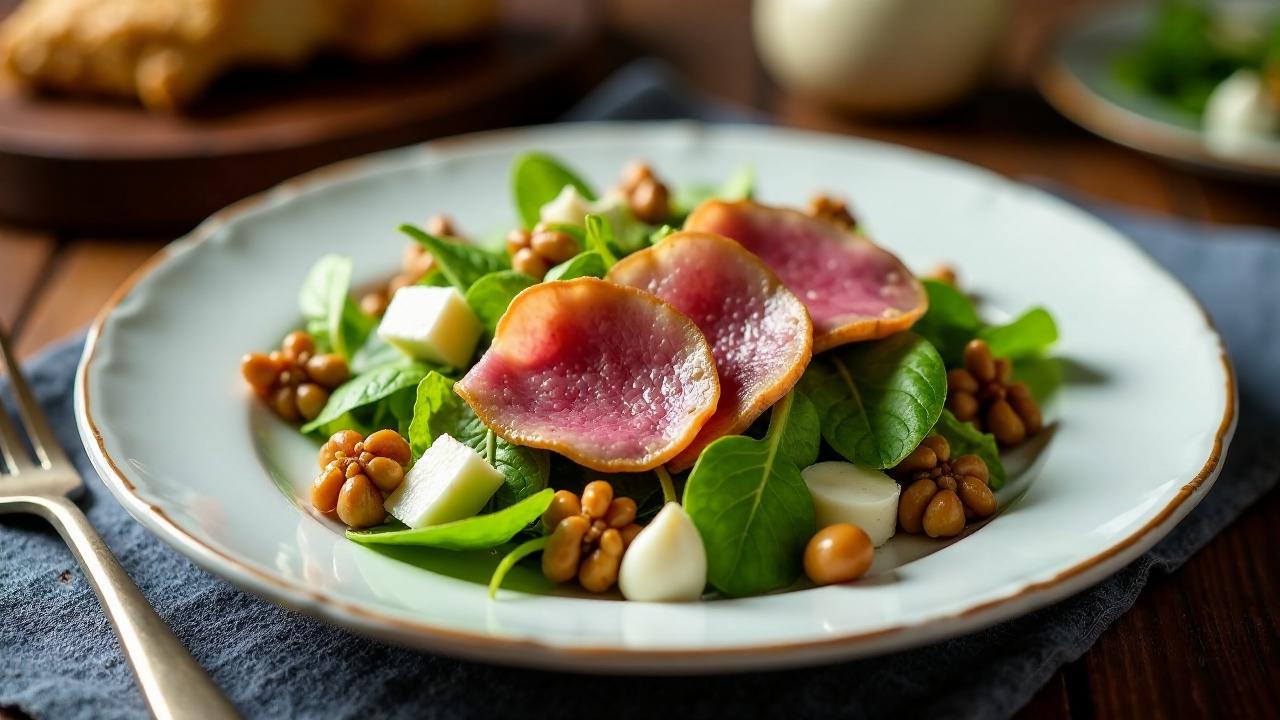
column 877, row 400
column 480, row 532
column 965, row 439
column 536, row 179
column 365, row 390
column 439, row 411
column 492, row 293
column 585, row 264
column 332, row 318
column 461, row 264
column 950, row 323
column 1030, row 334
column 751, row 505
column 599, row 237
column 374, row 353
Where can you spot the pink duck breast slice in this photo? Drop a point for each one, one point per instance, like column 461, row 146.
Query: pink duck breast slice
column 759, row 330
column 854, row 289
column 611, row 377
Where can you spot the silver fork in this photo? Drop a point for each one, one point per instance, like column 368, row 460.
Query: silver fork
column 172, row 682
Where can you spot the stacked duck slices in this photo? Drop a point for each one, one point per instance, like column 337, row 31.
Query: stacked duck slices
column 687, row 341
column 695, row 337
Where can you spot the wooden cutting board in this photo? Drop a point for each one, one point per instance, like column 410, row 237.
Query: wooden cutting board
column 103, row 166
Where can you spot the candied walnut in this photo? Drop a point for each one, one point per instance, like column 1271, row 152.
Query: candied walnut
column 294, row 381
column 534, row 252
column 832, row 209
column 982, row 393
column 647, row 196
column 941, row 494
column 943, row 273
column 358, row 473
column 589, row 534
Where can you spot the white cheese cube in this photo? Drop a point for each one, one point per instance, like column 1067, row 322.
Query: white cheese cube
column 432, row 324
column 845, row 493
column 449, row 482
column 571, row 208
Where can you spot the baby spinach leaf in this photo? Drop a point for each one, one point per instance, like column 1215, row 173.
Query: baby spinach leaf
column 586, row 264
column 439, row 411
column 461, row 263
column 374, row 353
column 950, row 323
column 490, row 295
column 523, row 550
column 536, row 179
column 803, row 440
column 332, row 318
column 965, row 439
column 598, row 239
column 435, row 278
column 367, row 389
column 1031, row 333
column 480, row 532
column 877, row 400
column 751, row 505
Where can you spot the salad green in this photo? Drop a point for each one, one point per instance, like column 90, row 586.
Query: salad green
column 480, row 532
column 439, row 411
column 751, row 505
column 536, row 179
column 874, row 403
column 877, row 400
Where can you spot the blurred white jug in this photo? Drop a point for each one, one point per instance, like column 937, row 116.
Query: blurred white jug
column 882, row 57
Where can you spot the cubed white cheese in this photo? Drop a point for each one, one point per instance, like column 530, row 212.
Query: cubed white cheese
column 432, row 324
column 845, row 493
column 571, row 208
column 567, row 208
column 449, row 482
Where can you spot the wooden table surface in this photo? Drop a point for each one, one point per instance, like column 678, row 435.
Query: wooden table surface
column 1203, row 641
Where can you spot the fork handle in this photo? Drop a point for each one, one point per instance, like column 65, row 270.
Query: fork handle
column 173, row 683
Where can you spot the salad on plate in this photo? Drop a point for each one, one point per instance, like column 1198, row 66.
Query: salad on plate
column 671, row 393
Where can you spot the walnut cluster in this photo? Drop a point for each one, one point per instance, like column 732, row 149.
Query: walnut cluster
column 833, row 210
column 357, row 473
column 534, row 252
column 982, row 393
column 588, row 536
column 942, row 494
column 647, row 196
column 294, row 381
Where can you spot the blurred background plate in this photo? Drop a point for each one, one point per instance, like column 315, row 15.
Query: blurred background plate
column 113, row 167
column 1078, row 80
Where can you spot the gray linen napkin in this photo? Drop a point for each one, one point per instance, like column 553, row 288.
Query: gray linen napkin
column 59, row 659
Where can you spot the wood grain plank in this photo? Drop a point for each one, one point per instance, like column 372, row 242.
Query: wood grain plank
column 1205, row 641
column 24, row 257
column 85, row 275
column 1238, row 202
column 1051, row 703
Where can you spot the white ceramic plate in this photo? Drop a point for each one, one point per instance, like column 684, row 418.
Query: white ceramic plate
column 1142, row 424
column 1077, row 80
